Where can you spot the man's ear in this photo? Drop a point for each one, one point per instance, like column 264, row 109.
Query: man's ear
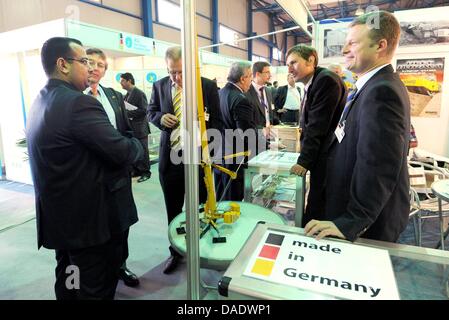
column 62, row 66
column 311, row 61
column 382, row 45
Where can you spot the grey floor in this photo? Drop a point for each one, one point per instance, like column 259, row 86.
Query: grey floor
column 26, row 273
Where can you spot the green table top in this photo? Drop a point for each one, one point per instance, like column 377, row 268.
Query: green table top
column 218, row 256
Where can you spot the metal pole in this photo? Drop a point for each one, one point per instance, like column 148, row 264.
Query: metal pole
column 190, row 153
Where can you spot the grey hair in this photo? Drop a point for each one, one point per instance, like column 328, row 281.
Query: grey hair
column 238, row 70
column 173, row 53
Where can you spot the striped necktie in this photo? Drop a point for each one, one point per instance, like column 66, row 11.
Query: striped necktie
column 348, row 104
column 175, row 137
column 263, row 104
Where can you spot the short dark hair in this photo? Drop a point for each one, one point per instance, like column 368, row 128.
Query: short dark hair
column 388, row 27
column 128, row 77
column 258, row 66
column 55, row 48
column 99, row 52
column 304, row 52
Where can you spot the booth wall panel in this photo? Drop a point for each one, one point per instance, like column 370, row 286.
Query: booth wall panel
column 17, row 14
column 130, row 6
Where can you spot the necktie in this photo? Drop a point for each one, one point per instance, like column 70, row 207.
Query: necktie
column 263, row 104
column 175, row 137
column 348, row 104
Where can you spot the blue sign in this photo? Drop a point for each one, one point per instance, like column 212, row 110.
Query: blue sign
column 151, row 77
column 129, row 42
column 118, row 77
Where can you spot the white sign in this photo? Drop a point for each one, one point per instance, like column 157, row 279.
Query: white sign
column 333, row 268
column 274, row 159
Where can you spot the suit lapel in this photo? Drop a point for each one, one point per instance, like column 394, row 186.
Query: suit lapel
column 381, row 72
column 167, row 92
column 255, row 97
column 115, row 104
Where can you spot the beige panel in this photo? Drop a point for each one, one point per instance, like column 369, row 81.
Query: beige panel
column 18, row 14
column 166, row 34
column 204, row 42
column 232, row 13
column 130, row 6
column 228, row 51
column 204, row 7
column 260, row 49
column 204, row 26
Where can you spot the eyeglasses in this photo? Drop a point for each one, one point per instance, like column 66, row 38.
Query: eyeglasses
column 83, row 61
column 174, row 73
column 94, row 64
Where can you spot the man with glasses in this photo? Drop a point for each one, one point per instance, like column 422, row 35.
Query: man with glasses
column 261, row 99
column 120, row 180
column 73, row 149
column 165, row 112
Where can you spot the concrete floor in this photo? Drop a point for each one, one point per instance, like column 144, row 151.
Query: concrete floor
column 26, row 273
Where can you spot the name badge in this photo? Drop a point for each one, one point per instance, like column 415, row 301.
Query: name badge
column 206, row 116
column 340, row 132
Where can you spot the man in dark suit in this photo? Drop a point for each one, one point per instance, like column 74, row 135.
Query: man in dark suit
column 240, row 133
column 112, row 102
column 288, row 101
column 76, row 159
column 139, row 122
column 368, row 183
column 323, row 103
column 165, row 113
column 261, row 99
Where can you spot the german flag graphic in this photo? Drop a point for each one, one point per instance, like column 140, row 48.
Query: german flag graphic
column 267, row 257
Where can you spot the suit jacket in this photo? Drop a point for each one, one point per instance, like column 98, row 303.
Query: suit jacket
column 138, row 117
column 260, row 118
column 326, row 98
column 281, row 96
column 72, row 147
column 162, row 102
column 119, row 183
column 368, row 183
column 239, row 113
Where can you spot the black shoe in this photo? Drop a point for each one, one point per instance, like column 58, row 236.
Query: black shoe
column 144, row 177
column 128, row 277
column 171, row 264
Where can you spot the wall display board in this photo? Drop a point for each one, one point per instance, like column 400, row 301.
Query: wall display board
column 424, row 26
column 424, row 81
column 329, row 41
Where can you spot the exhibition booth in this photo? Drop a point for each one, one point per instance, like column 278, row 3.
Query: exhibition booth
column 265, row 258
column 20, row 60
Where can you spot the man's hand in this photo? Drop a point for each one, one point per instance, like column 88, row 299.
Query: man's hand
column 283, row 110
column 298, row 170
column 169, row 120
column 322, row 229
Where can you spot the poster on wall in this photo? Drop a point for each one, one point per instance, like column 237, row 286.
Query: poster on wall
column 331, row 40
column 424, row 81
column 424, row 26
column 334, row 41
